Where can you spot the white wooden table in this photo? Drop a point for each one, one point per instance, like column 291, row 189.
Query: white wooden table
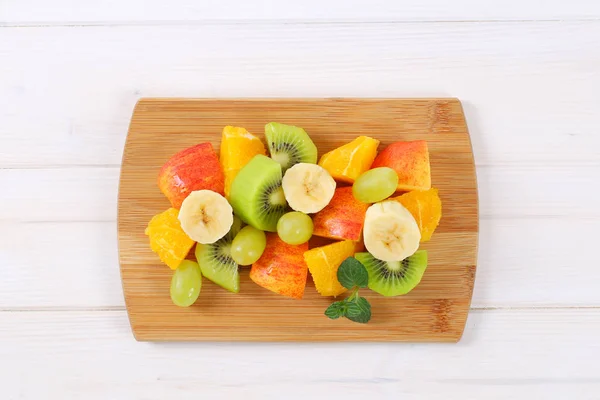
column 528, row 73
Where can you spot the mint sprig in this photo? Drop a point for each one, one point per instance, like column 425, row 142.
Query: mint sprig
column 352, row 275
column 359, row 310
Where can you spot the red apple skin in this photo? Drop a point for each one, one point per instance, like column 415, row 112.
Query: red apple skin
column 410, row 160
column 195, row 168
column 281, row 268
column 343, row 218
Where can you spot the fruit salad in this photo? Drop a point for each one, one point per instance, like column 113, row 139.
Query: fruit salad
column 249, row 207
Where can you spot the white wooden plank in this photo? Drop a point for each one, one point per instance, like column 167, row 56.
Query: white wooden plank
column 59, row 265
column 138, row 11
column 63, row 194
column 530, row 90
column 550, row 354
column 525, row 262
column 538, row 191
column 522, row 263
column 90, row 194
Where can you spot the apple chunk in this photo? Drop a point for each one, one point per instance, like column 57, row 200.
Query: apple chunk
column 342, row 218
column 410, row 160
column 281, row 268
column 195, row 168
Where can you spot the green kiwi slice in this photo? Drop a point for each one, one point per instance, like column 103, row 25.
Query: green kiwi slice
column 393, row 278
column 256, row 194
column 215, row 260
column 290, row 145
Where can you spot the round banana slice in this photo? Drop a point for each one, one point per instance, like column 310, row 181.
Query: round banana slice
column 205, row 216
column 391, row 232
column 308, row 188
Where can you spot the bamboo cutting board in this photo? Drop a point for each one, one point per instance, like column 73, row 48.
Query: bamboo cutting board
column 435, row 311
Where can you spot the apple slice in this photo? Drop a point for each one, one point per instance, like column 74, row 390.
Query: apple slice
column 281, row 268
column 410, row 160
column 343, row 218
column 195, row 168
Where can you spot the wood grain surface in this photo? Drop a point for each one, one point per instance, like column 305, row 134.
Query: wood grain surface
column 435, row 311
column 527, row 76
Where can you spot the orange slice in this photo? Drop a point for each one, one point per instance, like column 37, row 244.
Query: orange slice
column 238, row 146
column 323, row 263
column 426, row 207
column 167, row 239
column 347, row 162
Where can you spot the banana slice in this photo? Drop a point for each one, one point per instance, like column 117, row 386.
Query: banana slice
column 205, row 216
column 391, row 232
column 308, row 188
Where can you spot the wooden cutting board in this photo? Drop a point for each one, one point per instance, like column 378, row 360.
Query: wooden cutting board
column 435, row 311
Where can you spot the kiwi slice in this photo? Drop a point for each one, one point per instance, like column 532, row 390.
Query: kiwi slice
column 256, row 194
column 215, row 260
column 290, row 145
column 393, row 278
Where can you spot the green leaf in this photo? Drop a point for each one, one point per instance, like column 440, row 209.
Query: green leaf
column 359, row 310
column 336, row 310
column 352, row 273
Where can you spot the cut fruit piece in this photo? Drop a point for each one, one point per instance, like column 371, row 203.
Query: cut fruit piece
column 426, row 207
column 396, row 277
column 167, row 239
column 391, row 232
column 342, row 218
column 238, row 147
column 205, row 216
column 186, row 284
column 195, row 168
column 348, row 162
column 290, row 145
column 256, row 194
column 248, row 245
column 295, row 227
column 375, row 185
column 308, row 188
column 216, row 262
column 281, row 268
column 411, row 161
column 323, row 263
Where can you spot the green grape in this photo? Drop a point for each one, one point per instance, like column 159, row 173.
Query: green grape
column 248, row 245
column 295, row 228
column 186, row 283
column 375, row 185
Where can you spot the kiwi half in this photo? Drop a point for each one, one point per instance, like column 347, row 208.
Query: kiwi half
column 289, row 145
column 393, row 278
column 256, row 194
column 215, row 260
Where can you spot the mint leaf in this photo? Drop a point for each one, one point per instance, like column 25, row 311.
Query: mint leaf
column 359, row 310
column 352, row 273
column 336, row 310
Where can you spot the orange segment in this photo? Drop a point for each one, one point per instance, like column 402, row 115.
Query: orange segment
column 323, row 263
column 238, row 146
column 347, row 162
column 426, row 207
column 167, row 239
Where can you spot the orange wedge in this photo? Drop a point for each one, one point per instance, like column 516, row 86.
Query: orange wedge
column 238, row 146
column 323, row 263
column 167, row 239
column 347, row 162
column 426, row 207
